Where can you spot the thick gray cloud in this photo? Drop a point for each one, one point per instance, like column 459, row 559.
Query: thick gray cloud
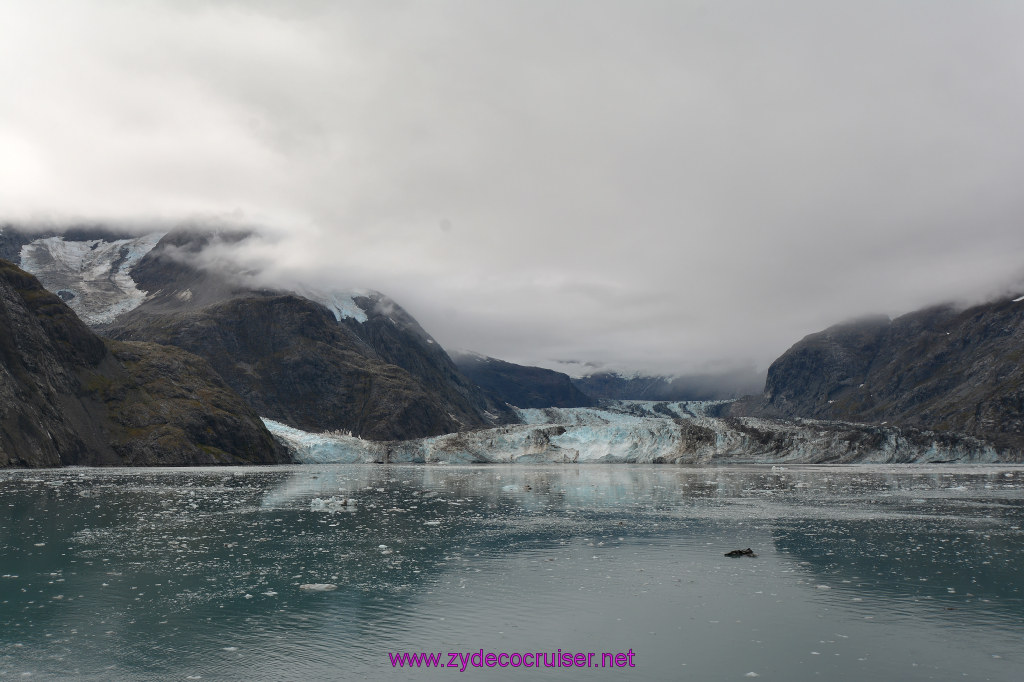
column 662, row 185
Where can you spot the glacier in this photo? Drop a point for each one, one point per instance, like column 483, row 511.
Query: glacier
column 340, row 302
column 91, row 276
column 647, row 432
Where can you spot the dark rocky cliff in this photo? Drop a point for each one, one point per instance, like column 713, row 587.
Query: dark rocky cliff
column 522, row 386
column 67, row 397
column 11, row 241
column 293, row 361
column 940, row 368
column 170, row 275
column 399, row 339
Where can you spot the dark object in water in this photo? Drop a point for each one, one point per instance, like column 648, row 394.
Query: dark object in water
column 742, row 552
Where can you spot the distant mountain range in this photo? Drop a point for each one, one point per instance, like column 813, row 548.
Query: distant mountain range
column 710, row 386
column 521, row 385
column 525, row 386
column 303, row 362
column 222, row 352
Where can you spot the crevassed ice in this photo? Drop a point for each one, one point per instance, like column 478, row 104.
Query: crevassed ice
column 321, row 447
column 632, row 432
column 95, row 271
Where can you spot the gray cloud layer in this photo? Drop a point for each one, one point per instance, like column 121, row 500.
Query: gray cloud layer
column 662, row 185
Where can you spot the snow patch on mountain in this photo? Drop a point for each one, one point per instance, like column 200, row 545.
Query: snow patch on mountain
column 341, row 303
column 93, row 277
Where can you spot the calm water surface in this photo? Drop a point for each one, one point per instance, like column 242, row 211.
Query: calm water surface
column 863, row 573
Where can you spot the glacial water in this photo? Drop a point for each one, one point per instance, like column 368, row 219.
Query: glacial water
column 318, row 572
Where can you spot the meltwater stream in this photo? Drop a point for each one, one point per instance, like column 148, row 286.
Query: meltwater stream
column 319, row 572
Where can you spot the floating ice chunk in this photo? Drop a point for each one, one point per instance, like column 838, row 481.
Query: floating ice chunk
column 334, row 503
column 318, row 587
column 751, row 674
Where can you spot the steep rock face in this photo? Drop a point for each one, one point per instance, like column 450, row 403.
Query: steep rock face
column 520, row 385
column 377, row 374
column 67, row 398
column 938, row 368
column 122, row 285
column 11, row 241
column 170, row 275
column 42, row 345
column 291, row 361
column 399, row 339
column 165, row 406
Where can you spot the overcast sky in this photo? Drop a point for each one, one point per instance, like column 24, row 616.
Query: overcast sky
column 666, row 186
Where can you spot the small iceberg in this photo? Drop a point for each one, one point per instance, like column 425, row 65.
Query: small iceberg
column 334, row 503
column 318, row 587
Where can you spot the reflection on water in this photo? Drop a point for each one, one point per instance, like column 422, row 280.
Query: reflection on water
column 863, row 572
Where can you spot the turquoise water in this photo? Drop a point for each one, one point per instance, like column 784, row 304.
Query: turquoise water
column 883, row 573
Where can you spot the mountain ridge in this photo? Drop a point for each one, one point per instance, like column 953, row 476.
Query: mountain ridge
column 366, row 365
column 943, row 367
column 69, row 397
column 376, row 373
column 521, row 385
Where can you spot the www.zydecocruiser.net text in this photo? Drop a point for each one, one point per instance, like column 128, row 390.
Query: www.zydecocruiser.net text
column 461, row 661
